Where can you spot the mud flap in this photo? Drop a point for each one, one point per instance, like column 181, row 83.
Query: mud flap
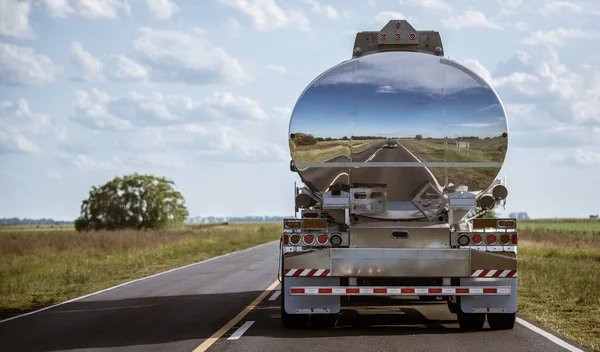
column 311, row 304
column 489, row 304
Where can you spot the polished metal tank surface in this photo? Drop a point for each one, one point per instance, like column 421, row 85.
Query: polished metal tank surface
column 421, row 117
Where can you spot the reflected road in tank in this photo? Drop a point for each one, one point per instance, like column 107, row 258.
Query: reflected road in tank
column 399, row 107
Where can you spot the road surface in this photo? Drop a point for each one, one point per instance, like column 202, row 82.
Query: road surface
column 401, row 182
column 180, row 310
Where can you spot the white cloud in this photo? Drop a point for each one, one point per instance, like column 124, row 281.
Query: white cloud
column 548, row 103
column 126, row 69
column 87, row 66
column 557, row 6
column 100, row 8
column 383, row 17
column 162, row 9
column 326, row 10
column 98, row 110
column 53, row 174
column 268, row 15
column 135, row 128
column 233, row 26
column 578, row 158
column 21, row 130
column 22, row 66
column 276, row 68
column 557, row 36
column 14, row 19
column 470, row 19
column 191, row 58
column 58, row 8
column 429, row 4
column 91, row 9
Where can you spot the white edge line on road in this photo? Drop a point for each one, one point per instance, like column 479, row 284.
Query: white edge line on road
column 549, row 336
column 136, row 280
column 419, row 160
column 274, row 295
column 242, row 329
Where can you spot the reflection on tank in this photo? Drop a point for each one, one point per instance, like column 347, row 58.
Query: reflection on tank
column 424, row 109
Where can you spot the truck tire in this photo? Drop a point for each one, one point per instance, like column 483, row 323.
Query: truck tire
column 291, row 321
column 453, row 307
column 470, row 321
column 501, row 321
column 324, row 321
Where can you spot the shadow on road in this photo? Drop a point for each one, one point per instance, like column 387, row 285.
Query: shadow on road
column 192, row 318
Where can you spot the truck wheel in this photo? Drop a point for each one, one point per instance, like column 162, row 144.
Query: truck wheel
column 323, row 321
column 293, row 321
column 453, row 307
column 470, row 321
column 501, row 321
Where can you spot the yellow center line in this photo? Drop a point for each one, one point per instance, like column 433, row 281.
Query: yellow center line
column 217, row 335
column 335, row 179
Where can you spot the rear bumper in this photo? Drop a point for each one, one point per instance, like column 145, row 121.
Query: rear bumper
column 399, row 262
column 400, row 291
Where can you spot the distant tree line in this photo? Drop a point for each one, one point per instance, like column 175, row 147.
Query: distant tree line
column 190, row 220
column 27, row 221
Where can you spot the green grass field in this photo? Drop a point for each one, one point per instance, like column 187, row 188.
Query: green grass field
column 559, row 277
column 328, row 149
column 433, row 150
column 559, row 266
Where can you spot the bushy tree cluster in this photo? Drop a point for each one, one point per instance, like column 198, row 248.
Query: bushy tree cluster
column 132, row 202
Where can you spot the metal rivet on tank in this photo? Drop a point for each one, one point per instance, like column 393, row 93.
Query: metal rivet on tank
column 438, row 50
column 357, row 50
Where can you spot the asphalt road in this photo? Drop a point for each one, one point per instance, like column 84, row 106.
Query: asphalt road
column 401, row 182
column 180, row 310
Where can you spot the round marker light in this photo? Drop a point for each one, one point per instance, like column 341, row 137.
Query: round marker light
column 295, row 239
column 308, row 239
column 322, row 239
column 383, row 36
column 336, row 240
column 505, row 239
column 490, row 239
column 476, row 239
column 463, row 240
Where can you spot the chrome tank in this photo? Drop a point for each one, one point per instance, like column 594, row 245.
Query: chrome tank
column 399, row 107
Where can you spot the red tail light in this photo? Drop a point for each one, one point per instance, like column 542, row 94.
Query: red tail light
column 309, row 239
column 490, row 239
column 286, row 239
column 322, row 239
column 476, row 238
column 514, row 238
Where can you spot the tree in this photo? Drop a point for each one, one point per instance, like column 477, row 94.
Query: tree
column 132, row 202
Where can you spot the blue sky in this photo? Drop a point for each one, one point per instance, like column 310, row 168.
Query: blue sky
column 363, row 98
column 202, row 91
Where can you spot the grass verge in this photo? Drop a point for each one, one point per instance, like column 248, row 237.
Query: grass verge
column 41, row 269
column 559, row 280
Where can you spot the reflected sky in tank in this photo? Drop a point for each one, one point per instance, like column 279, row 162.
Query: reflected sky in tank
column 399, row 94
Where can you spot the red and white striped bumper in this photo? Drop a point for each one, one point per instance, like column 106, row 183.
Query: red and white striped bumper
column 493, row 273
column 306, row 272
column 401, row 291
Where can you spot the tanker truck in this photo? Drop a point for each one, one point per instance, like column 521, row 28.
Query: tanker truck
column 399, row 150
